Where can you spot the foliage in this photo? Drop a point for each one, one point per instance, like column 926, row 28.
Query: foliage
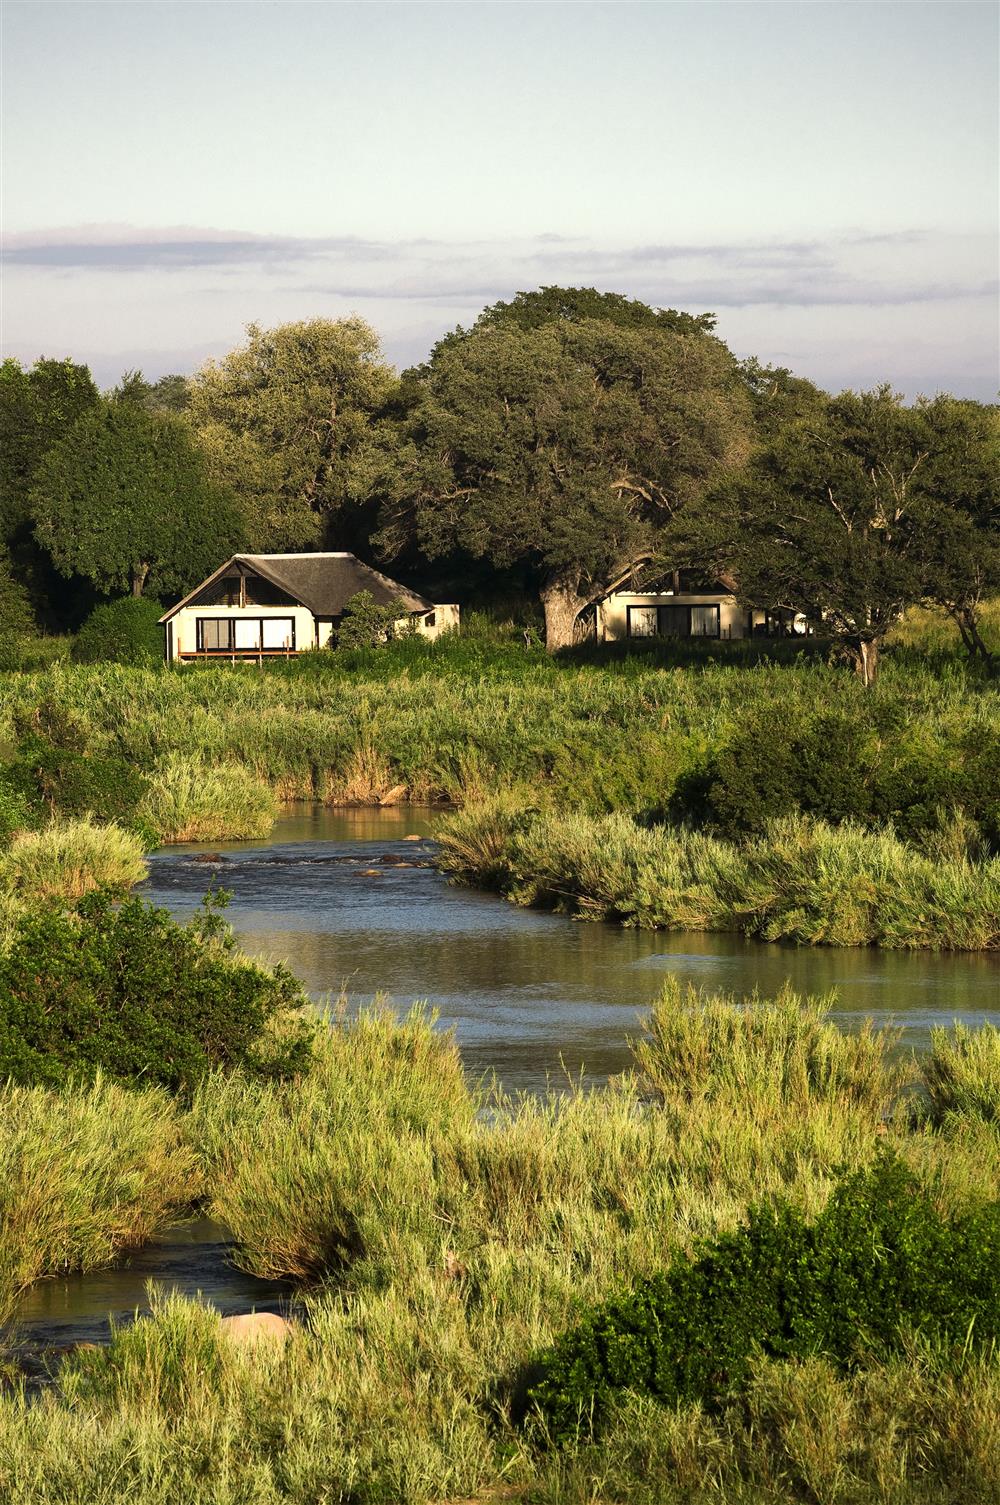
column 17, row 620
column 365, row 624
column 799, row 881
column 170, row 394
column 575, row 305
column 124, row 499
column 67, row 859
column 125, row 631
column 289, row 423
column 85, row 1175
column 55, row 773
column 850, row 518
column 124, row 990
column 879, row 1258
column 37, row 409
column 189, row 801
column 566, row 445
column 962, row 1073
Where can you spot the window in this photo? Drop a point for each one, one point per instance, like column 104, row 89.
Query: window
column 245, row 634
column 674, row 622
column 704, row 621
column 213, row 635
column 642, row 622
column 278, row 632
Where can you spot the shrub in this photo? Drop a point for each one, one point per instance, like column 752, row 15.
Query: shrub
column 365, row 624
column 68, row 859
column 126, row 631
column 187, row 801
column 84, row 1175
column 878, row 1260
column 127, row 991
column 56, row 772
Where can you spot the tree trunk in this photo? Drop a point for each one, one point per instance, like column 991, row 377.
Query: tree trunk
column 562, row 604
column 967, row 618
column 865, row 656
column 139, row 575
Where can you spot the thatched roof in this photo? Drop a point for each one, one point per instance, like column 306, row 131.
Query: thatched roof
column 322, row 582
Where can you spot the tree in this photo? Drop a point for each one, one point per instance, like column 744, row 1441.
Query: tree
column 961, row 537
column 365, row 624
column 289, row 425
column 778, row 398
column 37, row 408
column 565, row 446
column 572, row 305
column 170, row 394
column 830, row 519
column 124, row 500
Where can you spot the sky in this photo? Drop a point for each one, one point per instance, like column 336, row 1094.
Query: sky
column 824, row 177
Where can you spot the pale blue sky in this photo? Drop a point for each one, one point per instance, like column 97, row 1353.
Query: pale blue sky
column 823, row 176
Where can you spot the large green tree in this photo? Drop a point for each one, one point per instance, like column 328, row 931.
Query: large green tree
column 124, row 499
column 843, row 519
column 564, row 446
column 961, row 537
column 289, row 423
column 37, row 408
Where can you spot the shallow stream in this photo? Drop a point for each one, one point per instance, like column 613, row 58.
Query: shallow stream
column 347, row 901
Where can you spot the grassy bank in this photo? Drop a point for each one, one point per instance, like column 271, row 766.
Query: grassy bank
column 623, row 735
column 443, row 1246
column 801, row 881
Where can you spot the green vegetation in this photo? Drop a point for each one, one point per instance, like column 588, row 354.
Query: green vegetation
column 85, row 1175
column 187, row 801
column 801, row 880
column 879, row 1259
column 126, row 631
column 122, row 989
column 448, row 1234
column 67, row 859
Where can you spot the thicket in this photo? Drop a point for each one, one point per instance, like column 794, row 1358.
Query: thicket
column 125, row 631
column 878, row 1260
column 480, row 1228
column 121, row 989
column 800, row 880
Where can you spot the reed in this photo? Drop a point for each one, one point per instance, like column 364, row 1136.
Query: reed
column 68, row 858
column 187, row 801
column 85, row 1174
column 447, row 1232
column 962, row 1073
column 803, row 881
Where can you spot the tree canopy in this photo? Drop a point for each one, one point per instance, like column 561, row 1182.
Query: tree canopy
column 124, row 500
column 37, row 407
column 567, row 445
column 289, row 423
column 848, row 518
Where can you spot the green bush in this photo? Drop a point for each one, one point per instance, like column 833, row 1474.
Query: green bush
column 365, row 624
column 56, row 773
column 126, row 631
column 877, row 1262
column 126, row 991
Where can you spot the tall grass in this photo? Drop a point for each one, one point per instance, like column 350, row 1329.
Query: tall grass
column 447, row 1232
column 85, row 1174
column 188, row 801
column 803, row 881
column 962, row 1073
column 69, row 858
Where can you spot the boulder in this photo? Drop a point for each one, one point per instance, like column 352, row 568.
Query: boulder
column 248, row 1328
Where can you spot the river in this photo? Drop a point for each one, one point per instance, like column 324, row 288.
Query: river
column 349, row 903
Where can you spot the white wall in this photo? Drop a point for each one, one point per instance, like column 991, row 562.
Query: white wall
column 185, row 629
column 612, row 612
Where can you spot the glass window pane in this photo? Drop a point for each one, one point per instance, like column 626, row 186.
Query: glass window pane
column 278, row 632
column 704, row 621
column 247, row 633
column 642, row 621
column 674, row 621
column 214, row 634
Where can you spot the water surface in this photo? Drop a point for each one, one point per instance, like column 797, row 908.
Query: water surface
column 532, row 996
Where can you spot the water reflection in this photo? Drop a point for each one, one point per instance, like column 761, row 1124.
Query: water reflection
column 530, row 995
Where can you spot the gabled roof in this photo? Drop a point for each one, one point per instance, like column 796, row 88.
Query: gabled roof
column 323, row 583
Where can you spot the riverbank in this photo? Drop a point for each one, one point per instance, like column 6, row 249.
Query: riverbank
column 441, row 1248
column 801, row 880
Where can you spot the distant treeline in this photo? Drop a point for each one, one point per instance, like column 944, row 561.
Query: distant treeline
column 567, row 440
